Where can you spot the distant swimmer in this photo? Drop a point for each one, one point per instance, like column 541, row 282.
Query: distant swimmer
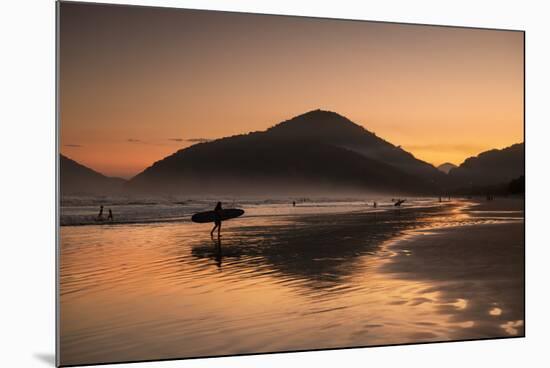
column 110, row 217
column 100, row 214
column 217, row 219
column 399, row 202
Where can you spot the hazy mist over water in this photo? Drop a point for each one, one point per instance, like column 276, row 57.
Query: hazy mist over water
column 83, row 210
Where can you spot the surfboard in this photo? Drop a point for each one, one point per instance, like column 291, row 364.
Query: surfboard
column 210, row 216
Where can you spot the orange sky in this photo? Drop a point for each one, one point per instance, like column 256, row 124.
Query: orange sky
column 137, row 83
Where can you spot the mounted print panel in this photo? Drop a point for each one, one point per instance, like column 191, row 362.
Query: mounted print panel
column 234, row 183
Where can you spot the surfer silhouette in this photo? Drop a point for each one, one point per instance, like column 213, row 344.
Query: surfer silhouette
column 217, row 219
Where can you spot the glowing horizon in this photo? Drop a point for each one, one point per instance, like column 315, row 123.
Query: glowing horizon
column 139, row 83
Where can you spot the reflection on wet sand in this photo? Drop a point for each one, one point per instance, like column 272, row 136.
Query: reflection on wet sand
column 324, row 249
column 286, row 283
column 487, row 275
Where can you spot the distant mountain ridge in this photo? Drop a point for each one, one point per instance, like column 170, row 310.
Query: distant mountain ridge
column 76, row 178
column 491, row 167
column 313, row 151
column 446, row 167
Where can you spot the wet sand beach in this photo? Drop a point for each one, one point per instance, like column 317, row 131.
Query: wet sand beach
column 292, row 282
column 480, row 268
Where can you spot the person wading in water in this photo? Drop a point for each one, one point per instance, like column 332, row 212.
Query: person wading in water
column 217, row 219
column 100, row 214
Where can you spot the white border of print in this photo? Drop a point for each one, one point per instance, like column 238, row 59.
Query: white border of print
column 27, row 151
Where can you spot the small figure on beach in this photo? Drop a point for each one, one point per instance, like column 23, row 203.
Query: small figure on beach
column 100, row 214
column 217, row 220
column 110, row 217
column 293, row 203
column 399, row 202
column 374, row 204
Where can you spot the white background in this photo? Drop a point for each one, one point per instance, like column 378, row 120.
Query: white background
column 27, row 181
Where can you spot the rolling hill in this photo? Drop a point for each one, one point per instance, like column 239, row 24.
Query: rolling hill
column 79, row 179
column 316, row 151
column 491, row 167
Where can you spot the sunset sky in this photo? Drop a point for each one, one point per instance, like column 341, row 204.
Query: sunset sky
column 137, row 83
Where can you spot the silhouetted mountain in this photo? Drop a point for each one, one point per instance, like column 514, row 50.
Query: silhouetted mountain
column 334, row 129
column 517, row 186
column 314, row 152
column 514, row 187
column 79, row 179
column 446, row 167
column 491, row 167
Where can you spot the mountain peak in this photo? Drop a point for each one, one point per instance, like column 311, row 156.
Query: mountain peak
column 317, row 124
column 320, row 113
column 446, row 167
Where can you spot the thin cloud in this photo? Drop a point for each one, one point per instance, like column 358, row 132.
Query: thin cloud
column 156, row 142
column 163, row 142
column 198, row 140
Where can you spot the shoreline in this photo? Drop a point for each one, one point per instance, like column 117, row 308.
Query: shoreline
column 367, row 210
column 477, row 270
